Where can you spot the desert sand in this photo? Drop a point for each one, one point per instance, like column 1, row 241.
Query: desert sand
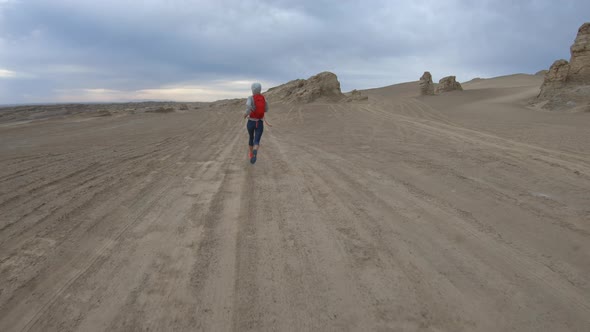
column 466, row 211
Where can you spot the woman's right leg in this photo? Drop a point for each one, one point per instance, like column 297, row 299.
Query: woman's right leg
column 258, row 130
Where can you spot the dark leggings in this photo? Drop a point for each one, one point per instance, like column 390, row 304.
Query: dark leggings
column 255, row 129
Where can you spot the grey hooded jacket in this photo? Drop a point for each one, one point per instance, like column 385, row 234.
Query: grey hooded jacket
column 256, row 89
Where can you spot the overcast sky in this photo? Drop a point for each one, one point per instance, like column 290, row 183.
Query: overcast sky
column 187, row 50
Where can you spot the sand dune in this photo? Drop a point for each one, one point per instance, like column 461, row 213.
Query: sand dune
column 503, row 82
column 467, row 211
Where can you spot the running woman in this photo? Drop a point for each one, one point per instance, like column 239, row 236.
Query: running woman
column 256, row 107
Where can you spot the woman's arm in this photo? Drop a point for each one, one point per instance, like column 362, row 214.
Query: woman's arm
column 249, row 106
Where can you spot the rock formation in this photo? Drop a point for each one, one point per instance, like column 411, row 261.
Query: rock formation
column 555, row 78
column 321, row 87
column 356, row 95
column 567, row 84
column 541, row 72
column 426, row 85
column 447, row 84
column 579, row 71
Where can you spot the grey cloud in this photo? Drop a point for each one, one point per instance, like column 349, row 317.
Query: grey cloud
column 130, row 45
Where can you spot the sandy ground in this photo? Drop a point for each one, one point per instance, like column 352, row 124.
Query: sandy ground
column 462, row 212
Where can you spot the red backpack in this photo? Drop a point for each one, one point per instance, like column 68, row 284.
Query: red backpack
column 259, row 107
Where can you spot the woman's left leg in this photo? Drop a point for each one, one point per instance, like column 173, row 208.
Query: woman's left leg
column 250, row 126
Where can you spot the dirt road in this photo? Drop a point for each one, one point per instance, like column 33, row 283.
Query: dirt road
column 388, row 215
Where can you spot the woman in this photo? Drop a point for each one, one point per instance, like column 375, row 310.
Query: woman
column 256, row 107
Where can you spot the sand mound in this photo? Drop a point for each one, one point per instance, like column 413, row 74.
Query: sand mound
column 567, row 84
column 506, row 81
column 225, row 103
column 162, row 109
column 104, row 113
column 321, row 87
column 447, row 84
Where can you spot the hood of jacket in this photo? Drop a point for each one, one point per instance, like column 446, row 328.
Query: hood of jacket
column 256, row 88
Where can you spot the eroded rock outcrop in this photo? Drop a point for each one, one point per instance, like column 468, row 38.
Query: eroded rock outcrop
column 541, row 72
column 356, row 95
column 555, row 78
column 426, row 84
column 579, row 71
column 447, row 84
column 567, row 84
column 321, row 87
